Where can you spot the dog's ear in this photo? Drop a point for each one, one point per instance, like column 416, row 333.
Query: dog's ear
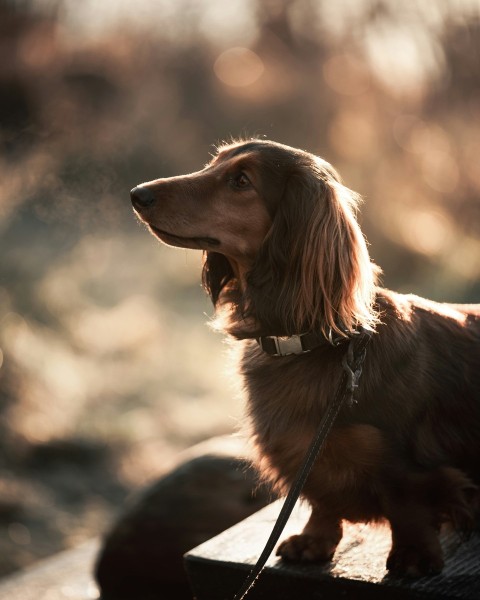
column 217, row 273
column 313, row 271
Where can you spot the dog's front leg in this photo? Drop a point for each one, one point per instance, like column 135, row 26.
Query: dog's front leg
column 318, row 540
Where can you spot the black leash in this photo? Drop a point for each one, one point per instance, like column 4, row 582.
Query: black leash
column 352, row 369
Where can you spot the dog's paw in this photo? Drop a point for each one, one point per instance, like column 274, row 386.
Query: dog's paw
column 306, row 548
column 414, row 561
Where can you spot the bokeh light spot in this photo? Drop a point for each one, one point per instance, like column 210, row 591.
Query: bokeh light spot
column 440, row 171
column 19, row 534
column 238, row 67
column 346, row 75
column 353, row 135
column 426, row 231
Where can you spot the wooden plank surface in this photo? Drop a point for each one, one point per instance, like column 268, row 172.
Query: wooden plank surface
column 217, row 568
column 66, row 576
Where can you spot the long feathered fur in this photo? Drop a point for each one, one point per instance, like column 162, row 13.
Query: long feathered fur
column 283, row 255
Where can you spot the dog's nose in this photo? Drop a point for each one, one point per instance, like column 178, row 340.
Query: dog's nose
column 142, row 197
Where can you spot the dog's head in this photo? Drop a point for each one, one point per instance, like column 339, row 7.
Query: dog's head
column 278, row 227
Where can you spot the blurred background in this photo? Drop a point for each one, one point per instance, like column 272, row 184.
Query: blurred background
column 107, row 367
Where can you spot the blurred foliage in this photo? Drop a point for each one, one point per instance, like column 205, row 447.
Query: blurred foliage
column 107, row 368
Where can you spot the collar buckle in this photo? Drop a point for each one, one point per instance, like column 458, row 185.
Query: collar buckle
column 283, row 345
column 288, row 345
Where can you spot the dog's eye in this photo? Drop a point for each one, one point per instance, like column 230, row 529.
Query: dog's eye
column 241, row 181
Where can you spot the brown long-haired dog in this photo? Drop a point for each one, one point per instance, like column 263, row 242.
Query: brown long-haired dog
column 283, row 256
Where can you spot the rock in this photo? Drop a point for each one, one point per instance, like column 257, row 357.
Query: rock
column 210, row 489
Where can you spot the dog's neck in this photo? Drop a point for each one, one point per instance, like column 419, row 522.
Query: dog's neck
column 240, row 269
column 277, row 341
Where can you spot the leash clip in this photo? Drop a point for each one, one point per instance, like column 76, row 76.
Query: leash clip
column 353, row 372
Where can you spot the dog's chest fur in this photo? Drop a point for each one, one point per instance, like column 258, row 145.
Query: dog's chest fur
column 284, row 413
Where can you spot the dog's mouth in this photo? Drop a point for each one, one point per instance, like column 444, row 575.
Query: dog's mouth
column 183, row 242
